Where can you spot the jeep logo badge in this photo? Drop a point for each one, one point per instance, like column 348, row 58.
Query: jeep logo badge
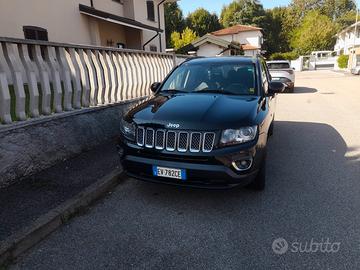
column 171, row 125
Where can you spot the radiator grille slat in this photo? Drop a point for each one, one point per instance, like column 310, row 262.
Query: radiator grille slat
column 208, row 143
column 170, row 140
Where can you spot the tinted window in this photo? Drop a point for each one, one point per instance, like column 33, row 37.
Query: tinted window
column 236, row 79
column 278, row 65
column 265, row 76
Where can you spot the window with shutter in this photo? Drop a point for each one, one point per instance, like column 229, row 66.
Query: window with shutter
column 35, row 33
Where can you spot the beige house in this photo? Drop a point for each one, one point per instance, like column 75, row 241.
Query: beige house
column 132, row 24
column 348, row 43
column 227, row 41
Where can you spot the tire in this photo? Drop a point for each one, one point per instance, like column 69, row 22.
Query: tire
column 271, row 129
column 291, row 89
column 259, row 182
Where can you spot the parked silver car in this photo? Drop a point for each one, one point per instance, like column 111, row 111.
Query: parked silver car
column 280, row 70
column 356, row 70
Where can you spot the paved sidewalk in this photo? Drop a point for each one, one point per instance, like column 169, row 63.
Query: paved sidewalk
column 22, row 203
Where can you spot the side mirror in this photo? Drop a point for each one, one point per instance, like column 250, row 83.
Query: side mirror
column 155, row 86
column 276, row 87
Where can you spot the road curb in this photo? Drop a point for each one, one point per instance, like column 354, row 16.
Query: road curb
column 29, row 236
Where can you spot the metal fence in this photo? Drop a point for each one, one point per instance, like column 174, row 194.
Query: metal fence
column 43, row 78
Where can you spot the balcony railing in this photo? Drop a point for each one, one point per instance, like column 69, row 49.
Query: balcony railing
column 41, row 78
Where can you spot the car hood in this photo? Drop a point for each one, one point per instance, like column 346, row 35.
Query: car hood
column 196, row 111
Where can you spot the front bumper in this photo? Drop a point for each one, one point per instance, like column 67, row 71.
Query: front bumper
column 211, row 170
column 288, row 82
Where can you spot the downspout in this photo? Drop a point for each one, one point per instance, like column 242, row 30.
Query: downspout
column 158, row 11
column 158, row 32
column 150, row 40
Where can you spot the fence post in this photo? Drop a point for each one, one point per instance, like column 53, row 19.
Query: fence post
column 50, row 58
column 12, row 56
column 31, row 80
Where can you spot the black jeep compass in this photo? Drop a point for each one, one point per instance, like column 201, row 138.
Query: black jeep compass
column 207, row 125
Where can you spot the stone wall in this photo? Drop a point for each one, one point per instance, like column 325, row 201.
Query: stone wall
column 29, row 147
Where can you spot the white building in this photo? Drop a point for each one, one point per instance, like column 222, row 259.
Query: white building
column 348, row 43
column 133, row 24
column 227, row 41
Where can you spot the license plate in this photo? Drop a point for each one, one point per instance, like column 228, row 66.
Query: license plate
column 275, row 79
column 169, row 173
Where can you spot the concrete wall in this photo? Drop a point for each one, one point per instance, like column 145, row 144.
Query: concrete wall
column 28, row 148
column 113, row 32
column 110, row 6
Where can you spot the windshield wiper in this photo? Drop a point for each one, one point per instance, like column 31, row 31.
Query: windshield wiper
column 174, row 91
column 216, row 91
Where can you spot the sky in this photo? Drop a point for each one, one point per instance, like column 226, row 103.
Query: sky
column 216, row 5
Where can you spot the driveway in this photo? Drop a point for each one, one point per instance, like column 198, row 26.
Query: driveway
column 307, row 218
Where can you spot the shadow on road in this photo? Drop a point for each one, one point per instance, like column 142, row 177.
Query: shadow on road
column 302, row 156
column 304, row 90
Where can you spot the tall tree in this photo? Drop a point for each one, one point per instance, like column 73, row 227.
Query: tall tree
column 248, row 12
column 179, row 40
column 174, row 21
column 316, row 32
column 335, row 9
column 346, row 19
column 275, row 31
column 203, row 22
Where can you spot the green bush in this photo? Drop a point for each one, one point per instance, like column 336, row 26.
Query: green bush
column 284, row 56
column 343, row 61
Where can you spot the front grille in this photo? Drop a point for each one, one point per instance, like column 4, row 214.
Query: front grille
column 181, row 141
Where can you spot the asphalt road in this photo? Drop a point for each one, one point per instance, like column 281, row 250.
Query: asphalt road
column 312, row 201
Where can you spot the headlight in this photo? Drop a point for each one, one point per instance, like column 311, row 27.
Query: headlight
column 237, row 136
column 127, row 129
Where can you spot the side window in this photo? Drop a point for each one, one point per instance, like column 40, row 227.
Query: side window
column 150, row 10
column 265, row 76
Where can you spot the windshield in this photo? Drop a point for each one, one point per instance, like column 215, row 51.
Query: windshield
column 228, row 78
column 278, row 65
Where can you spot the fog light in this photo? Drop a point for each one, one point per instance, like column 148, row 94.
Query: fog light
column 242, row 165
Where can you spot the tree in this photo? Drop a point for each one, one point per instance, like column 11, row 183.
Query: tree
column 346, row 19
column 335, row 9
column 315, row 33
column 248, row 12
column 274, row 27
column 203, row 22
column 180, row 40
column 174, row 21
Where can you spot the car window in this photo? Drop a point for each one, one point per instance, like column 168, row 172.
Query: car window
column 265, row 76
column 230, row 78
column 278, row 65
